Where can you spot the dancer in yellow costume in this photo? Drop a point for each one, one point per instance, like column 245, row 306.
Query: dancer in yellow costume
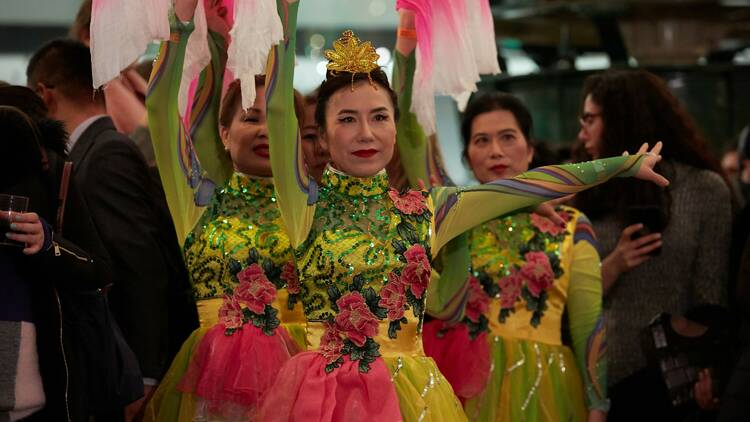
column 505, row 357
column 363, row 251
column 238, row 255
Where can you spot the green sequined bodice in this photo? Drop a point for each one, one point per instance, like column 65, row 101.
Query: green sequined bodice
column 356, row 223
column 242, row 215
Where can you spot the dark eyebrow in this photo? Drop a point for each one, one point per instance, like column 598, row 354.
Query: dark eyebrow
column 347, row 111
column 379, row 110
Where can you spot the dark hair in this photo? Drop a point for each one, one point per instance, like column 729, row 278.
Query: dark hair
column 65, row 65
column 52, row 132
column 340, row 80
column 232, row 100
column 636, row 107
column 485, row 103
column 22, row 153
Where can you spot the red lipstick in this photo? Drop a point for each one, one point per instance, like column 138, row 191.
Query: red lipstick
column 365, row 153
column 261, row 150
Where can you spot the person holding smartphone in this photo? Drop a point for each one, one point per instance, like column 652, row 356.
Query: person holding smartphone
column 664, row 249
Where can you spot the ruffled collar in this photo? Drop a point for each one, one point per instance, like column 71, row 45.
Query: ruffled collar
column 342, row 183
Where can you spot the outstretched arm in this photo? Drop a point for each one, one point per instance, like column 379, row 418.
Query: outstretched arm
column 458, row 209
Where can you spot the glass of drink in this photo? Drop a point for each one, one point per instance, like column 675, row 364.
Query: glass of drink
column 10, row 204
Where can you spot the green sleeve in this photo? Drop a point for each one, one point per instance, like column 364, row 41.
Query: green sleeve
column 186, row 187
column 585, row 315
column 204, row 115
column 295, row 191
column 410, row 138
column 447, row 291
column 457, row 209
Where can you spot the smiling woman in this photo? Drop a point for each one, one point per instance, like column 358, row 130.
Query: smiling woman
column 236, row 250
column 363, row 250
column 358, row 125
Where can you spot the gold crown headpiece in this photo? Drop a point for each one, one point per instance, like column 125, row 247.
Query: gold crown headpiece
column 351, row 55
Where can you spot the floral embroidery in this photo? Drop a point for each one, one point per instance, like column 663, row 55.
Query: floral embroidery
column 356, row 323
column 289, row 275
column 254, row 290
column 331, row 345
column 393, row 298
column 230, row 313
column 478, row 302
column 510, row 285
column 530, row 266
column 355, row 320
column 410, row 202
column 545, row 225
column 537, row 272
column 251, row 299
column 416, row 274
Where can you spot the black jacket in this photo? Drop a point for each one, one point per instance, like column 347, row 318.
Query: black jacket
column 151, row 297
column 76, row 261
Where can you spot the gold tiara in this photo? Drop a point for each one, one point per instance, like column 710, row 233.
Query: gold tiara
column 351, row 55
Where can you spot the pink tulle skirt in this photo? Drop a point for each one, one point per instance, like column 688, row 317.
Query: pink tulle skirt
column 230, row 374
column 303, row 391
column 464, row 362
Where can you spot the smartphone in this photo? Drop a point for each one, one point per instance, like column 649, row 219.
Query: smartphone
column 652, row 219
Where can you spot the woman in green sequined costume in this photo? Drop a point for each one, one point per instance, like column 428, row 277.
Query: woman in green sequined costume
column 363, row 251
column 503, row 354
column 238, row 255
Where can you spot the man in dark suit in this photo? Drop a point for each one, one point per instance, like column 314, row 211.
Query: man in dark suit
column 151, row 297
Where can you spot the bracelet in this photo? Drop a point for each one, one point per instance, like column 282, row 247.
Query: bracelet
column 407, row 33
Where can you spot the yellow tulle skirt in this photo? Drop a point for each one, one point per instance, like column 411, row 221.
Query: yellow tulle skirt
column 529, row 381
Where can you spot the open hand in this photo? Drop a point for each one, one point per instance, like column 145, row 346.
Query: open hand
column 646, row 171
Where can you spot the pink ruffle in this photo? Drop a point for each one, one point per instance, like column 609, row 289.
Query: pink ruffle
column 231, row 373
column 305, row 392
column 465, row 363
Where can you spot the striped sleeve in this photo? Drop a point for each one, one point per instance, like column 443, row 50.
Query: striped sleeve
column 458, row 209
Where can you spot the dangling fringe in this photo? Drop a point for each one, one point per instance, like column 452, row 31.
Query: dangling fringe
column 456, row 72
column 121, row 31
column 257, row 27
column 450, row 60
column 482, row 33
column 197, row 57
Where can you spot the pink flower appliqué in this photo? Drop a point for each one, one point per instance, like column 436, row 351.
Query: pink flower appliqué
column 355, row 320
column 537, row 272
column 412, row 202
column 545, row 225
column 479, row 302
column 290, row 276
column 254, row 290
column 392, row 297
column 416, row 274
column 331, row 345
column 510, row 290
column 230, row 313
